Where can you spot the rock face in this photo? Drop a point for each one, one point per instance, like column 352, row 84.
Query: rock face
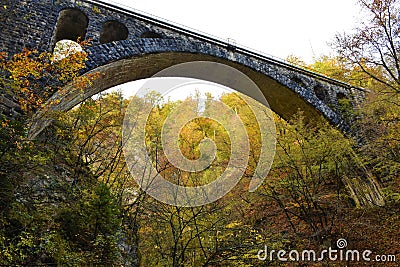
column 128, row 45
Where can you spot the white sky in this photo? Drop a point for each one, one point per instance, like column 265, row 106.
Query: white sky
column 279, row 27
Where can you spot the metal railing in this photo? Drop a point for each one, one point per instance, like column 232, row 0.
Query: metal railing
column 215, row 40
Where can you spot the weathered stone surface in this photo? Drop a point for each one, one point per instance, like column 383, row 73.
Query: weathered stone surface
column 154, row 44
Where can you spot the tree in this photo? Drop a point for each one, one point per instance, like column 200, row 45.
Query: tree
column 37, row 176
column 90, row 136
column 28, row 78
column 373, row 49
column 374, row 45
column 307, row 178
column 214, row 234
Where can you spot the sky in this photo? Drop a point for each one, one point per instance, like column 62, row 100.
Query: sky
column 279, row 28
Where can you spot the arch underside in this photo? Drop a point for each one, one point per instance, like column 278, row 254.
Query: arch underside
column 282, row 100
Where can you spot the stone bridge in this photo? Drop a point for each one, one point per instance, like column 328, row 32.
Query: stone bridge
column 129, row 45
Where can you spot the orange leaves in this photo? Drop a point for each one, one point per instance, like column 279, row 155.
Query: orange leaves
column 81, row 82
column 32, row 77
column 22, row 71
column 5, row 123
column 24, row 65
column 3, row 55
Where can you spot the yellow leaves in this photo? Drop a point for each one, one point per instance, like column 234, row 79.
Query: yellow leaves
column 234, row 224
column 23, row 67
column 56, row 101
column 81, row 82
column 96, row 10
column 295, row 60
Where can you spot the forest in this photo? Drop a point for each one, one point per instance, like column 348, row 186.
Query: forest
column 68, row 198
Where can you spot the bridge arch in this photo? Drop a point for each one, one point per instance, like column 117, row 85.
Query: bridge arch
column 87, row 19
column 281, row 99
column 287, row 88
